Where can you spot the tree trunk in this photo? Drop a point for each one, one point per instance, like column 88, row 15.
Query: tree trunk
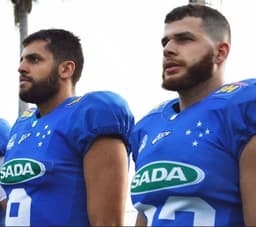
column 23, row 29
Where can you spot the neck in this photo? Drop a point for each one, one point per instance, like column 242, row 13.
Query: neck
column 190, row 96
column 49, row 105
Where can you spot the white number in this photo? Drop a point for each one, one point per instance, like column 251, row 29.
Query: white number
column 204, row 214
column 23, row 200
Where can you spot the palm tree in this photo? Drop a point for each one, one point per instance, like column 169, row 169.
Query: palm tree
column 204, row 2
column 212, row 3
column 21, row 10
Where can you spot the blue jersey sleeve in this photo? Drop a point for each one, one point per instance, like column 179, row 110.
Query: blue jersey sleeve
column 241, row 118
column 102, row 114
column 4, row 135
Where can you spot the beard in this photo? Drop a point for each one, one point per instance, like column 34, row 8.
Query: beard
column 41, row 90
column 197, row 73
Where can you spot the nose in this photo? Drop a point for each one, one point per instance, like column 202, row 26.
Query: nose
column 22, row 67
column 170, row 48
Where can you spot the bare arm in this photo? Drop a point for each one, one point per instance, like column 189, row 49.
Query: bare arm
column 248, row 182
column 140, row 221
column 3, row 204
column 3, row 200
column 106, row 177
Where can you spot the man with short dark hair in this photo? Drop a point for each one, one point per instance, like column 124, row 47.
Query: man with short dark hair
column 66, row 161
column 195, row 155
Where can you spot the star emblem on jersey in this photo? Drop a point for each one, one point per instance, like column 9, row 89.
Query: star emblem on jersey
column 43, row 134
column 197, row 133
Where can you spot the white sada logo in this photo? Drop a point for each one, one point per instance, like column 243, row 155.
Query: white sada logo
column 21, row 170
column 163, row 174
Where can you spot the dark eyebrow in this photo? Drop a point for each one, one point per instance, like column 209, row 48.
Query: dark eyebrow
column 31, row 56
column 177, row 36
column 184, row 35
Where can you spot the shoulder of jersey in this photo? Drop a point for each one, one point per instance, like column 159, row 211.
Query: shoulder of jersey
column 74, row 101
column 94, row 97
column 239, row 90
column 80, row 99
column 160, row 107
column 27, row 113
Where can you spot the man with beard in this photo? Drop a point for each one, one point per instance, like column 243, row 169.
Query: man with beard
column 66, row 161
column 195, row 160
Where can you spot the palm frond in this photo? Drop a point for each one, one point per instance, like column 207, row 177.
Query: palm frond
column 21, row 6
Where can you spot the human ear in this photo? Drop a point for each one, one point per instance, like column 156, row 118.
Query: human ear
column 66, row 69
column 222, row 51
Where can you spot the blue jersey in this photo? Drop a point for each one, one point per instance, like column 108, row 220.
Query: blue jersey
column 187, row 163
column 4, row 135
column 43, row 169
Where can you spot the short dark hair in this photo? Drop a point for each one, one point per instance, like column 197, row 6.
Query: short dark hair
column 215, row 24
column 64, row 46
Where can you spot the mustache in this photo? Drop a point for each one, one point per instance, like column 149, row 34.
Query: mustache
column 171, row 61
column 25, row 77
